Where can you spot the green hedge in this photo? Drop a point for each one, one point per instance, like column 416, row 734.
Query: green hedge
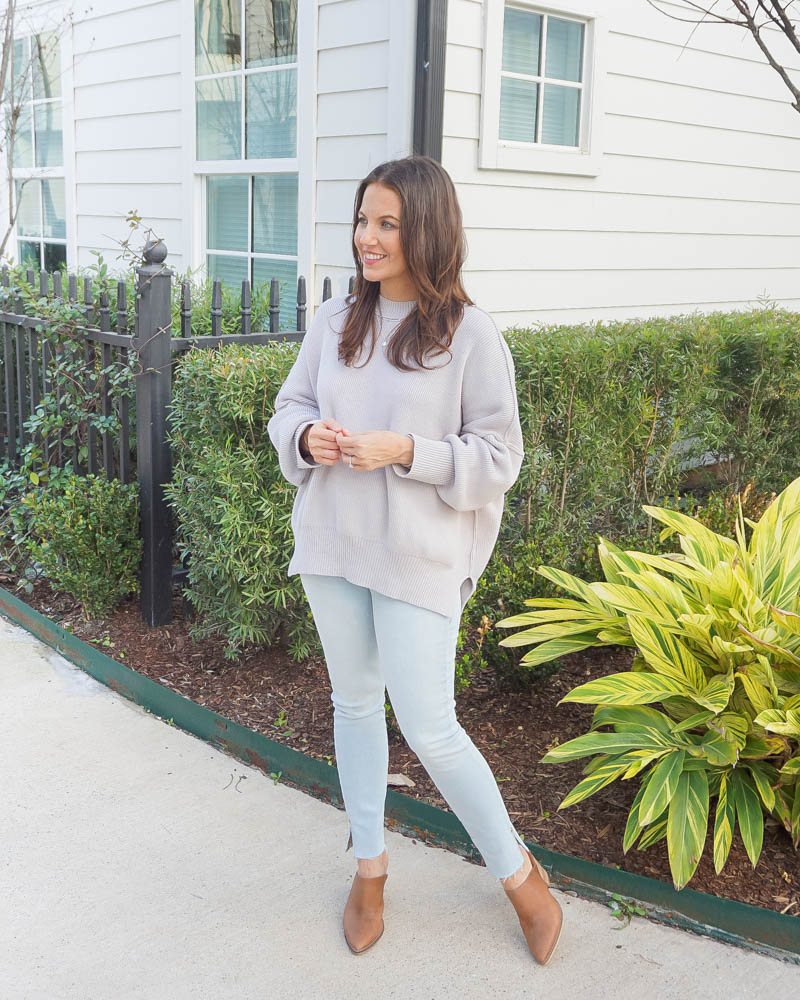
column 613, row 414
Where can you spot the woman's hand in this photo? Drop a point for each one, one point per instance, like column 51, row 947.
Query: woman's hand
column 374, row 449
column 319, row 440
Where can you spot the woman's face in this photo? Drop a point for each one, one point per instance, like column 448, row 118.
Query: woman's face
column 377, row 240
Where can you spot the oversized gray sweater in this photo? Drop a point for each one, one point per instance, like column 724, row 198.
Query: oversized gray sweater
column 422, row 534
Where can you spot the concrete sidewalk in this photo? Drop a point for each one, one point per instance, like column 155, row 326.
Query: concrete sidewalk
column 139, row 863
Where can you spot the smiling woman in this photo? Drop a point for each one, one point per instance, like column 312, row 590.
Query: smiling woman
column 402, row 464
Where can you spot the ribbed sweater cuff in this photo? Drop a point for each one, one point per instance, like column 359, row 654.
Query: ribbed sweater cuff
column 432, row 463
column 301, row 461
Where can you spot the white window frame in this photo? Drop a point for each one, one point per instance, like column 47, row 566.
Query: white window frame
column 66, row 171
column 495, row 153
column 303, row 165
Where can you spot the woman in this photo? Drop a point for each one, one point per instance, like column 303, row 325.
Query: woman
column 402, row 461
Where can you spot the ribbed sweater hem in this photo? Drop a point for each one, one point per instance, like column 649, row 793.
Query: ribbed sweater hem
column 368, row 563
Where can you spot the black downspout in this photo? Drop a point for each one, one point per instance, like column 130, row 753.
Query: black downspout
column 429, row 82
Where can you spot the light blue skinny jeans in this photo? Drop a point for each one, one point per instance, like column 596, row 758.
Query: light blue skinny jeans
column 371, row 643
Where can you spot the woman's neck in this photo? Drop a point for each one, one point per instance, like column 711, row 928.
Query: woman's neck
column 400, row 289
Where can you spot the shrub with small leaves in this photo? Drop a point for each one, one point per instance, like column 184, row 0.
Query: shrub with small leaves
column 83, row 536
column 233, row 507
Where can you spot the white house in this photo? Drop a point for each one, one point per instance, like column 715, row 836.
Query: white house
column 610, row 161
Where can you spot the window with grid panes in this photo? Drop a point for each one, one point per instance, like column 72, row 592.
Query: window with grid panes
column 541, row 86
column 38, row 159
column 246, row 103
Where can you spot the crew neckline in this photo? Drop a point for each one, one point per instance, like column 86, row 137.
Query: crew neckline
column 391, row 309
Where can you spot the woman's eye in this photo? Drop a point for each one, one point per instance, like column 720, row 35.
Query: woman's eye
column 389, row 225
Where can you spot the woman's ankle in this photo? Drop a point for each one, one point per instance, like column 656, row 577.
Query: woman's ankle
column 373, row 867
column 516, row 879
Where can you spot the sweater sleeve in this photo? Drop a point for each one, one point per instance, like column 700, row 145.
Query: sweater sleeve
column 479, row 465
column 296, row 406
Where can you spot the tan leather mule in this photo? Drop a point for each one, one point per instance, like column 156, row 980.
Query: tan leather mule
column 363, row 914
column 539, row 914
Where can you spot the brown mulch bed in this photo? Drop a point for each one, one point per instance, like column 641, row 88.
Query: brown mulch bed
column 512, row 730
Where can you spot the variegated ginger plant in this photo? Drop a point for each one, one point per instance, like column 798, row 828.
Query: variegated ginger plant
column 717, row 629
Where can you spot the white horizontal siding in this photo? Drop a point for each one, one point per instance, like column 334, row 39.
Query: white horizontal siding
column 697, row 203
column 548, row 291
column 128, row 124
column 364, row 92
column 113, row 199
column 355, row 112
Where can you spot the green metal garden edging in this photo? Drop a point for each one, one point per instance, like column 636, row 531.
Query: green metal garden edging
column 764, row 931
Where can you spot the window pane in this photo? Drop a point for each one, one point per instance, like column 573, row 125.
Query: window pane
column 286, row 273
column 49, row 151
column 226, row 201
column 564, row 56
column 560, row 115
column 271, row 32
column 22, row 62
column 46, row 63
column 55, row 254
column 29, row 253
column 518, row 99
column 521, row 36
column 272, row 114
column 231, row 271
column 217, row 36
column 275, row 214
column 219, row 119
column 23, row 139
column 29, row 222
column 53, row 211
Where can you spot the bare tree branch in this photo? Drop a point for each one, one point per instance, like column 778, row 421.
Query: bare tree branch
column 776, row 16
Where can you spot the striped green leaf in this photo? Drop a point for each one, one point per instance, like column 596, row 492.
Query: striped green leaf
column 731, row 727
column 687, row 825
column 631, row 601
column 631, row 715
column 608, row 743
column 633, row 827
column 776, row 721
column 724, row 823
column 627, row 688
column 661, row 786
column 698, row 542
column 765, row 791
column 554, row 648
column 547, row 615
column 599, row 778
column 792, row 766
column 554, row 630
column 788, row 619
column 665, row 653
column 693, row 721
column 574, row 585
column 717, row 693
column 748, row 814
column 652, row 834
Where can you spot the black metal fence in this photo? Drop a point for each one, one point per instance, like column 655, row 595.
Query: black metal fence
column 27, row 366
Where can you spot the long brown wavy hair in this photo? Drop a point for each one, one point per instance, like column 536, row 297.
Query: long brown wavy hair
column 434, row 246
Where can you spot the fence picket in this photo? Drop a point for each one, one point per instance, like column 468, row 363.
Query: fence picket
column 216, row 309
column 301, row 304
column 91, row 383
column 105, row 354
column 124, row 415
column 274, row 306
column 22, row 394
column 186, row 309
column 247, row 308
